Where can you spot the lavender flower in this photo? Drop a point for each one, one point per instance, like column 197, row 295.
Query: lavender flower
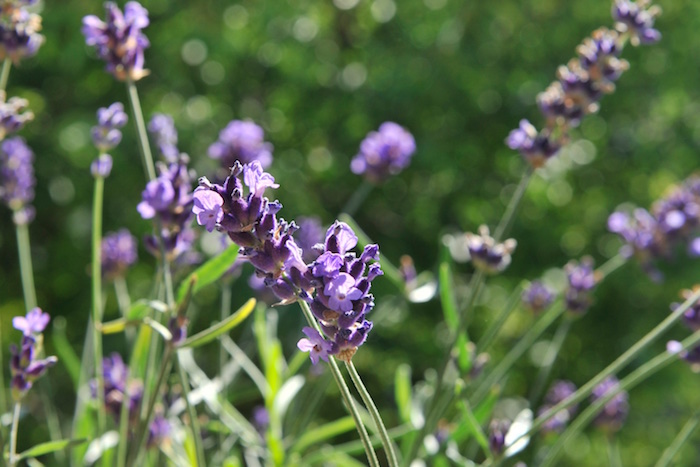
column 582, row 279
column 119, row 40
column 241, row 141
column 488, row 255
column 384, row 153
column 25, row 367
column 19, row 32
column 118, row 253
column 106, row 134
column 102, row 166
column 309, row 237
column 169, row 199
column 162, row 127
column 691, row 318
column 537, row 296
column 614, row 411
column 559, row 391
column 13, row 114
column 316, row 345
column 342, row 282
column 536, row 147
column 17, row 178
column 636, row 19
column 497, row 435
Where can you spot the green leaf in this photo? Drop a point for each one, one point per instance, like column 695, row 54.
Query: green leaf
column 159, row 328
column 139, row 357
column 449, row 308
column 402, row 391
column 114, row 326
column 481, row 414
column 140, row 309
column 66, row 354
column 218, row 329
column 208, row 272
column 49, row 447
column 323, row 433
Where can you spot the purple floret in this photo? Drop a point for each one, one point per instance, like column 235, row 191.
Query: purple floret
column 384, row 153
column 241, row 141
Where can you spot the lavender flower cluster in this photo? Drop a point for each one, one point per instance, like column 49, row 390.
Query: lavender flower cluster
column 384, row 153
column 162, row 128
column 19, row 30
column 584, row 80
column 691, row 319
column 106, row 134
column 25, row 365
column 241, row 141
column 653, row 235
column 17, row 179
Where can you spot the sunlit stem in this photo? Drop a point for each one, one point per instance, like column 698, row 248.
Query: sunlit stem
column 25, row 266
column 683, row 436
column 550, row 357
column 5, row 73
column 13, row 434
column 146, row 156
column 357, row 198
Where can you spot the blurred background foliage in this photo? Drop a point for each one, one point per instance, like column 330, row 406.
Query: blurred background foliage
column 318, row 76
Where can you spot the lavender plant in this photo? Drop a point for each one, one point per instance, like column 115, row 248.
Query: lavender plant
column 147, row 391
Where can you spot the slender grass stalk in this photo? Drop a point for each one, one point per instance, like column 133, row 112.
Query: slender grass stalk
column 5, row 73
column 357, row 198
column 374, row 412
column 658, row 363
column 13, row 434
column 550, row 357
column 192, row 412
column 25, row 266
column 513, row 204
column 3, row 395
column 122, row 293
column 614, row 452
column 496, row 324
column 225, row 311
column 97, row 203
column 344, row 392
column 683, row 436
column 146, row 156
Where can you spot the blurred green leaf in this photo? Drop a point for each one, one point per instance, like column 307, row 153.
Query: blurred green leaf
column 66, row 355
column 403, row 391
column 49, row 447
column 323, row 433
column 218, row 329
column 208, row 272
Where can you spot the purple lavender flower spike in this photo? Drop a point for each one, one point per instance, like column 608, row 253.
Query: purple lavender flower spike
column 582, row 279
column 486, row 254
column 535, row 147
column 599, row 55
column 318, row 347
column 34, row 323
column 118, row 253
column 17, row 178
column 106, row 134
column 13, row 114
column 241, row 141
column 559, row 391
column 384, row 153
column 207, row 208
column 309, row 237
column 636, row 19
column 537, row 296
column 614, row 411
column 162, row 127
column 19, row 33
column 102, row 166
column 119, row 40
column 497, row 436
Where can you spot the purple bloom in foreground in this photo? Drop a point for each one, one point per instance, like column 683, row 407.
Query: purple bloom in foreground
column 207, row 208
column 17, row 178
column 34, row 323
column 13, row 114
column 241, row 141
column 106, row 134
column 488, row 255
column 25, row 367
column 384, row 153
column 19, row 33
column 615, row 410
column 118, row 253
column 118, row 40
column 318, row 347
column 162, row 127
column 637, row 19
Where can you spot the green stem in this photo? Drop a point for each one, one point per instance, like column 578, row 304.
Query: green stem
column 192, row 412
column 25, row 266
column 97, row 301
column 492, row 331
column 549, row 358
column 122, row 293
column 3, row 396
column 5, row 73
column 374, row 412
column 513, row 204
column 13, row 434
column 146, row 156
column 618, row 364
column 344, row 391
column 683, row 436
column 640, row 374
column 614, row 452
column 357, row 198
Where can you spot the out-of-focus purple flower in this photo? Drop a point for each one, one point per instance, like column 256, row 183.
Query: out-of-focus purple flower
column 162, row 127
column 636, row 19
column 535, row 147
column 408, row 272
column 559, row 391
column 13, row 114
column 241, row 141
column 677, row 213
column 692, row 356
column 384, row 153
column 169, row 199
column 691, row 317
column 342, row 282
column 614, row 411
column 582, row 279
column 102, row 166
column 537, row 296
column 497, row 435
column 488, row 255
column 318, row 347
column 106, row 134
column 19, row 32
column 158, row 431
column 309, row 237
column 34, row 323
column 118, row 253
column 599, row 55
column 118, row 40
column 17, row 178
column 25, row 367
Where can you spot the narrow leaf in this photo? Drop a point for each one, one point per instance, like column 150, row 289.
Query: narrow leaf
column 140, row 308
column 66, row 354
column 447, row 296
column 224, row 326
column 159, row 328
column 49, row 447
column 323, row 433
column 402, row 391
column 208, row 272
